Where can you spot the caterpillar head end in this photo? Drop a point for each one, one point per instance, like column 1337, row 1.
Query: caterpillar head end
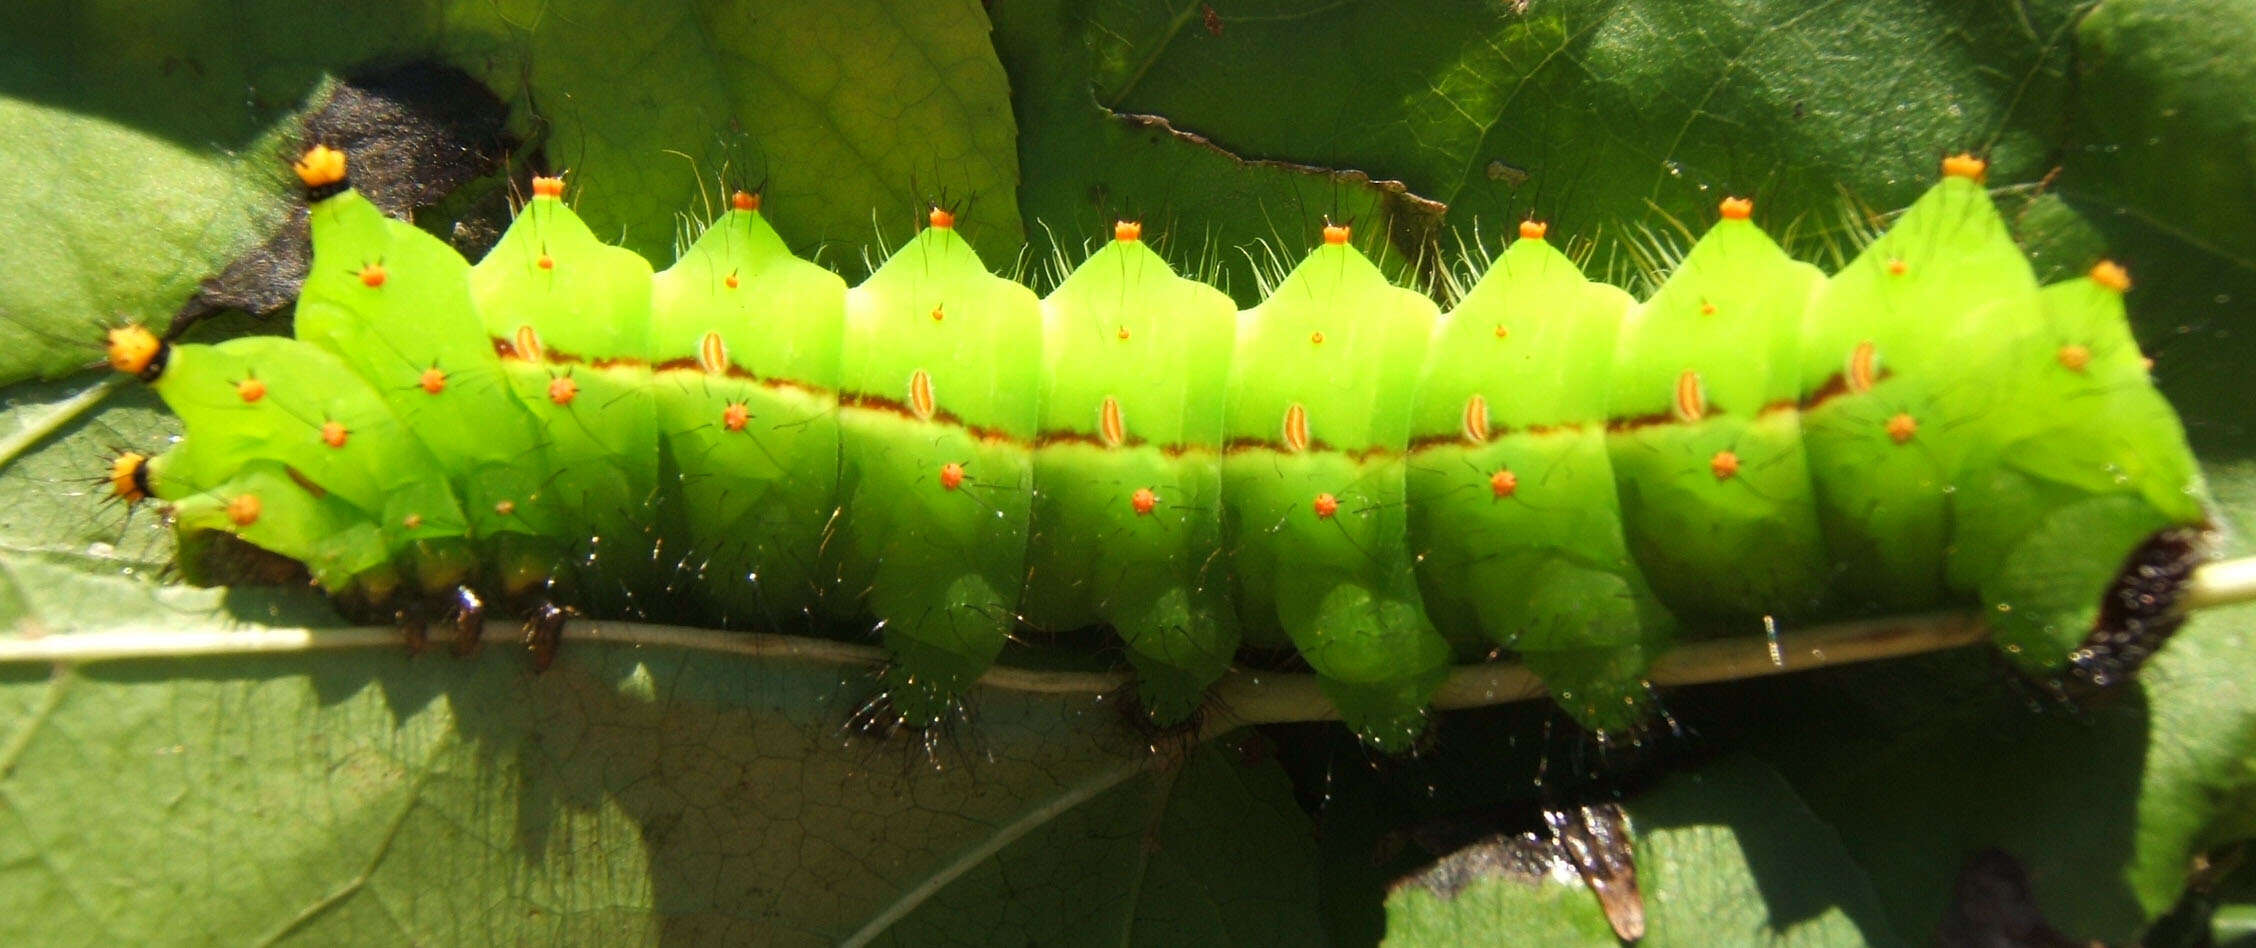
column 1736, row 208
column 1127, row 230
column 136, row 350
column 548, row 186
column 1533, row 229
column 941, row 218
column 1964, row 165
column 322, row 169
column 745, row 201
column 129, row 477
column 1336, row 234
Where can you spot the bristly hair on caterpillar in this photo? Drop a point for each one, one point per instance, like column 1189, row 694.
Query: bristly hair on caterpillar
column 1551, row 469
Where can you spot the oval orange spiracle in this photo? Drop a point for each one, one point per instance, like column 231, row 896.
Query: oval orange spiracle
column 1863, row 369
column 1475, row 423
column 1691, row 403
column 921, row 402
column 1110, row 425
column 1296, row 428
column 712, row 354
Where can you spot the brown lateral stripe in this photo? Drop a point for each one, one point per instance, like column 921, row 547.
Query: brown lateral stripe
column 1456, row 439
column 895, row 406
column 1837, row 386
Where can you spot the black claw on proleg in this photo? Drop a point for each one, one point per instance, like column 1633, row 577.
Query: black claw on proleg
column 414, row 626
column 1596, row 841
column 469, row 620
column 544, row 631
column 1593, row 841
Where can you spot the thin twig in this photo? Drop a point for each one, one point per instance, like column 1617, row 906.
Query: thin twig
column 55, row 416
column 1243, row 697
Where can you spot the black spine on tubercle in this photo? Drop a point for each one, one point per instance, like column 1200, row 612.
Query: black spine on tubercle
column 322, row 192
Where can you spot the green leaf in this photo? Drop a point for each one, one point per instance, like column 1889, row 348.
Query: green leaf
column 625, row 795
column 1726, row 850
column 157, row 131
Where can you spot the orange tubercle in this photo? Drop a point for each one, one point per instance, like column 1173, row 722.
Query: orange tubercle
column 1902, row 427
column 745, row 201
column 1123, row 334
column 547, row 186
column 133, row 348
column 372, row 275
column 736, row 416
column 562, row 390
column 250, row 390
column 951, row 475
column 2111, row 275
column 942, row 218
column 1964, row 165
column 334, row 433
column 1503, row 483
column 729, row 281
column 1325, row 506
column 1896, row 267
column 1143, row 501
column 244, row 510
column 545, row 262
column 1723, row 465
column 1533, row 230
column 1501, row 332
column 2074, row 357
column 1335, row 234
column 320, row 166
column 1128, row 230
column 1316, row 338
column 433, row 380
column 1736, row 208
column 129, row 477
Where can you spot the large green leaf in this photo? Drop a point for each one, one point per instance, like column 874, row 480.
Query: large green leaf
column 155, row 132
column 637, row 795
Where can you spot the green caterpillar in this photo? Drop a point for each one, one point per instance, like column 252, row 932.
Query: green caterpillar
column 1551, row 467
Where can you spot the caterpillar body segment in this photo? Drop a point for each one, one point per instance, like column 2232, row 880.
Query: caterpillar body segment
column 287, row 402
column 1550, row 467
column 2082, row 466
column 387, row 299
column 1314, row 489
column 1127, row 523
column 938, row 393
column 339, row 544
column 569, row 317
column 1511, row 487
column 1883, row 441
column 745, row 344
column 1705, row 432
